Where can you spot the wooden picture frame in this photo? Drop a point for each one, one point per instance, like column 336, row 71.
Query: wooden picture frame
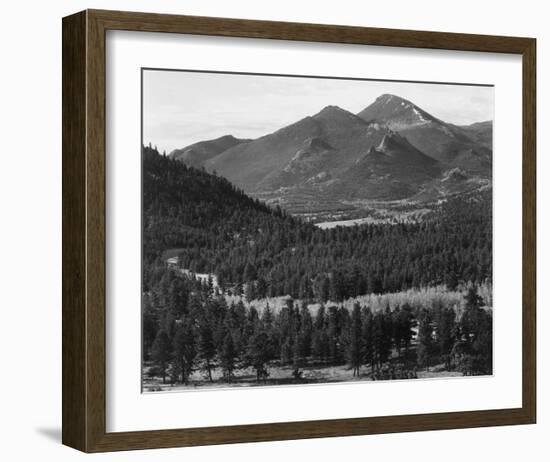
column 84, row 231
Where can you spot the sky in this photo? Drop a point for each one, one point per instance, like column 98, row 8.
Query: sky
column 182, row 107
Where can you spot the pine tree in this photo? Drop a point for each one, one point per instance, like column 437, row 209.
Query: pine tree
column 320, row 318
column 322, row 288
column 250, row 291
column 319, row 338
column 206, row 347
column 444, row 334
column 397, row 330
column 161, row 352
column 257, row 354
column 150, row 326
column 475, row 343
column 425, row 342
column 261, row 288
column 355, row 343
column 368, row 339
column 286, row 354
column 337, row 286
column 451, row 280
column 406, row 324
column 185, row 349
column 333, row 332
column 228, row 356
column 250, row 273
column 306, row 331
column 483, row 344
column 473, row 303
column 297, row 356
column 250, row 325
column 176, row 296
column 381, row 334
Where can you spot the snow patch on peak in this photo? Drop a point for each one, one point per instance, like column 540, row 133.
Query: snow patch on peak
column 419, row 116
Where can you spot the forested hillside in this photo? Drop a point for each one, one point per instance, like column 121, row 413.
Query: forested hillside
column 195, row 222
column 212, row 227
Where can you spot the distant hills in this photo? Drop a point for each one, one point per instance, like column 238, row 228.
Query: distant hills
column 197, row 154
column 480, row 132
column 391, row 150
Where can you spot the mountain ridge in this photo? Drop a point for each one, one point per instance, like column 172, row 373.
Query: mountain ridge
column 317, row 154
column 394, row 169
column 197, row 154
column 445, row 142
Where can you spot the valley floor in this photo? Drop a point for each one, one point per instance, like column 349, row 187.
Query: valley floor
column 284, row 375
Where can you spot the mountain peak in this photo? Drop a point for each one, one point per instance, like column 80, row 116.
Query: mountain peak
column 226, row 138
column 336, row 113
column 396, row 112
column 332, row 110
column 197, row 154
column 388, row 97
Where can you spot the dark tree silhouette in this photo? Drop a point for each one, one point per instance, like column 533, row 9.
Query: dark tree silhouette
column 161, row 353
column 206, row 346
column 425, row 344
column 185, row 351
column 228, row 357
column 355, row 343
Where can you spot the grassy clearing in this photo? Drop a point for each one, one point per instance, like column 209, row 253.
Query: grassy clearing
column 416, row 298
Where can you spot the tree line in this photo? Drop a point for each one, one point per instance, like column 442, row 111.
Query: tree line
column 188, row 327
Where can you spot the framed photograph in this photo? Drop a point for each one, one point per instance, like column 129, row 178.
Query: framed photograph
column 278, row 231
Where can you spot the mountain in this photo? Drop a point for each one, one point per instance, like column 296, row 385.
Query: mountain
column 308, row 164
column 248, row 164
column 453, row 182
column 330, row 161
column 398, row 113
column 318, row 146
column 447, row 143
column 198, row 153
column 394, row 169
column 480, row 132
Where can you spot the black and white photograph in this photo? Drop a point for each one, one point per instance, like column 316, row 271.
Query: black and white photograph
column 275, row 231
column 302, row 230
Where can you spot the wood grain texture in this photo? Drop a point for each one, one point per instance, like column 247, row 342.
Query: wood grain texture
column 84, row 400
column 95, row 228
column 200, row 25
column 529, row 230
column 74, row 231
